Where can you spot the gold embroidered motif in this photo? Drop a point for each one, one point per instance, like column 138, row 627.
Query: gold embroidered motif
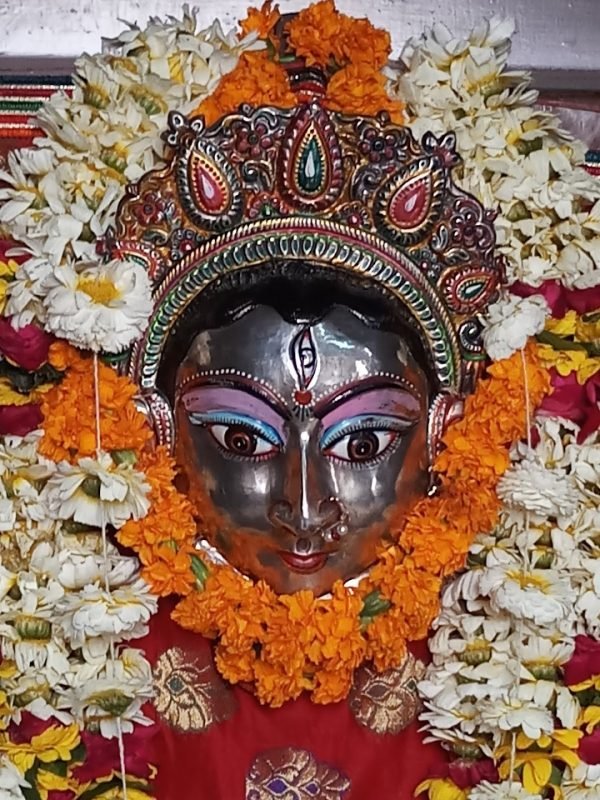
column 189, row 694
column 387, row 702
column 291, row 774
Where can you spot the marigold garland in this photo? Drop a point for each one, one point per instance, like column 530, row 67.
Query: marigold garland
column 287, row 644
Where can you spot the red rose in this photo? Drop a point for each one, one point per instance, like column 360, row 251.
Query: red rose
column 28, row 727
column 466, row 773
column 26, row 347
column 585, row 661
column 66, row 795
column 19, row 420
column 589, row 748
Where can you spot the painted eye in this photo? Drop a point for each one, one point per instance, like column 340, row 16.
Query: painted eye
column 242, row 441
column 362, row 447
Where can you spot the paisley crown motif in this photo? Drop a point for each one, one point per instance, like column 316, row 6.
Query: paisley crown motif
column 356, row 194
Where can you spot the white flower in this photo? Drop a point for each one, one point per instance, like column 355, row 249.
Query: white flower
column 530, row 485
column 97, row 492
column 101, row 307
column 97, row 614
column 113, row 696
column 11, row 781
column 506, row 790
column 511, row 321
column 583, row 783
column 542, row 596
column 514, row 714
column 74, row 570
column 25, row 294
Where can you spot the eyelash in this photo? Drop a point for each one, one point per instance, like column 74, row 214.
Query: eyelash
column 228, row 419
column 371, row 462
column 392, row 426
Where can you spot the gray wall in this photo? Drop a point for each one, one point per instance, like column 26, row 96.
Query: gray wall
column 554, row 36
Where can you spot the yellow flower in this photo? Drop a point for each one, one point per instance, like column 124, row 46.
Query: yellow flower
column 588, row 328
column 8, row 396
column 441, row 789
column 590, row 717
column 47, row 781
column 564, row 326
column 567, row 361
column 7, row 271
column 538, row 756
column 55, row 744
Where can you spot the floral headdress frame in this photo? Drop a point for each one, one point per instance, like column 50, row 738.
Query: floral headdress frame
column 354, row 194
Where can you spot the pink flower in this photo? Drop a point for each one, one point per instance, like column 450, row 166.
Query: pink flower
column 574, row 401
column 559, row 298
column 19, row 420
column 26, row 347
column 585, row 661
column 589, row 748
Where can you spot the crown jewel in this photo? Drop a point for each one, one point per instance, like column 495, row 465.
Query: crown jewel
column 352, row 193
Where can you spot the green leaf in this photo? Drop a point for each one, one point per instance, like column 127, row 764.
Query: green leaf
column 200, row 570
column 559, row 342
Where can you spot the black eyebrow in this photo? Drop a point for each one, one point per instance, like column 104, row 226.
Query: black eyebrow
column 329, row 403
column 258, row 390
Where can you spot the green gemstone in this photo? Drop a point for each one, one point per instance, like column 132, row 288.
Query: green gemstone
column 310, row 167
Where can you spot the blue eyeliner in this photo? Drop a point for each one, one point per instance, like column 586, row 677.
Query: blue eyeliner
column 373, row 422
column 257, row 426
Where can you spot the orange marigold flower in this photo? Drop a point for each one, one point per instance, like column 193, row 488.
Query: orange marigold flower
column 63, row 355
column 362, row 43
column 324, row 37
column 360, row 89
column 169, row 573
column 69, row 412
column 332, row 685
column 262, row 20
column 256, row 79
column 313, row 33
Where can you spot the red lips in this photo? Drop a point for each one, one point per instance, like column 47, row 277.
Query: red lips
column 305, row 564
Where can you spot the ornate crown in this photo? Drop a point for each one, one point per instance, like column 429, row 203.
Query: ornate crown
column 356, row 194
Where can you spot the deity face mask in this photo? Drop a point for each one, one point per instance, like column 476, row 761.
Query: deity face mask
column 305, row 437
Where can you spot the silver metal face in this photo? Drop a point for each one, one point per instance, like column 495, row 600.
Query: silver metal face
column 300, row 442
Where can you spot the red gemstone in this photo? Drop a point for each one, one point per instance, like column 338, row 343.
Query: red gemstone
column 303, row 397
column 209, row 191
column 410, row 203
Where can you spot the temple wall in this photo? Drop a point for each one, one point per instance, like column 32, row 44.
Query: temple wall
column 555, row 36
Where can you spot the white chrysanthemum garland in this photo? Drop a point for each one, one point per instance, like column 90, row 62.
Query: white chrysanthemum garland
column 70, row 602
column 495, row 691
column 65, row 194
column 516, row 159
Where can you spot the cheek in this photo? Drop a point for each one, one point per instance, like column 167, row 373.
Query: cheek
column 369, row 494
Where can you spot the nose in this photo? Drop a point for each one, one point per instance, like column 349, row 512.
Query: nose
column 328, row 519
column 309, row 508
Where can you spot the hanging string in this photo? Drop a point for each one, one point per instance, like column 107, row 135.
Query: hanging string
column 120, row 737
column 526, row 561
